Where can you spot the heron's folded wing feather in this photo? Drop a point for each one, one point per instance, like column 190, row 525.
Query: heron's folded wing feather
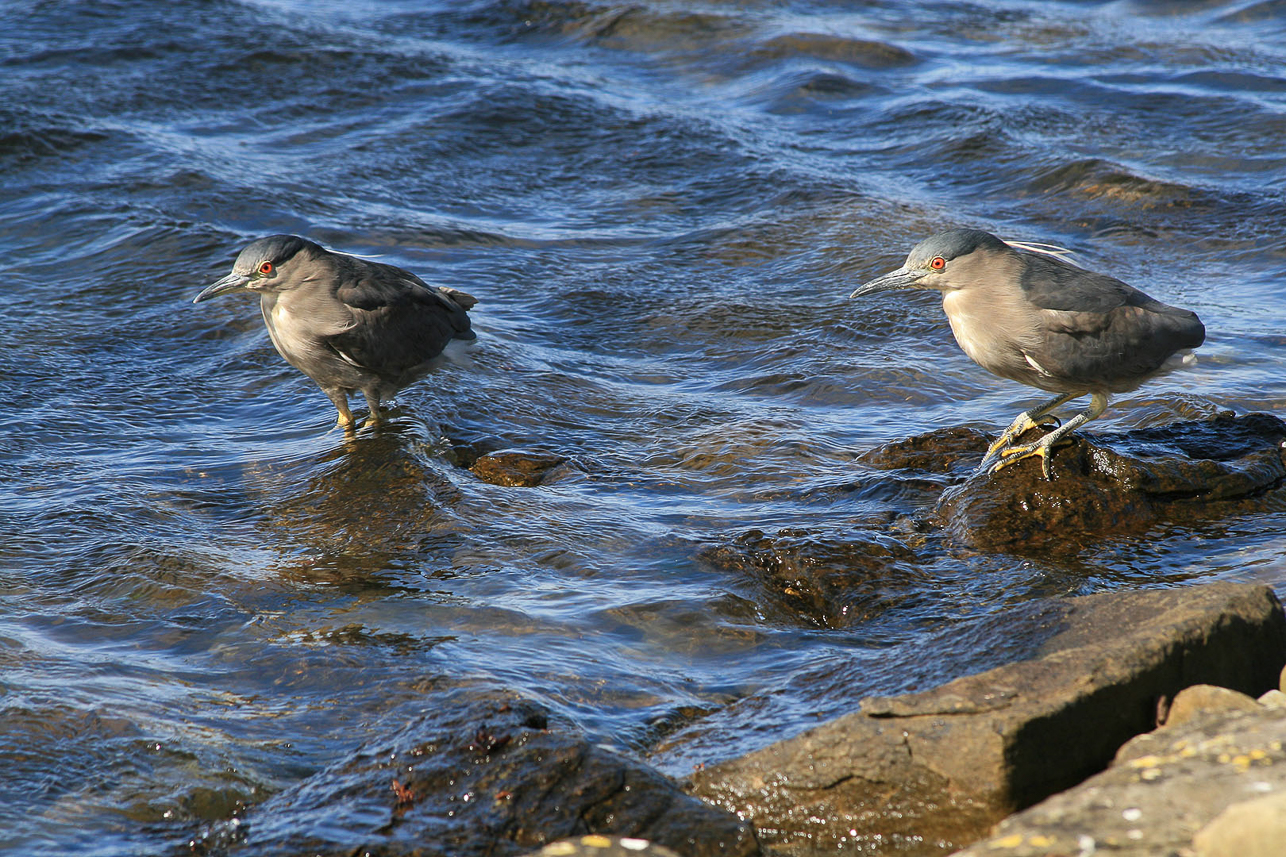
column 400, row 322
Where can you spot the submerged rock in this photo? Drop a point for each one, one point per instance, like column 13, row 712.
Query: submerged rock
column 929, row 772
column 1125, row 487
column 486, row 773
column 522, row 468
column 832, row 582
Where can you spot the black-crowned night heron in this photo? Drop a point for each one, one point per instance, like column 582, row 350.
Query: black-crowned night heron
column 347, row 323
column 1021, row 312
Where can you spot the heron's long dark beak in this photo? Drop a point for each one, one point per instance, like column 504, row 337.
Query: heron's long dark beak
column 902, row 278
column 230, row 283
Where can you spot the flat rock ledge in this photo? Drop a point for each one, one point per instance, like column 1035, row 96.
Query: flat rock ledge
column 932, row 772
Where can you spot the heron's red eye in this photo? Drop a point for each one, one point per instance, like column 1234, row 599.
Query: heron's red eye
column 266, row 268
column 937, row 264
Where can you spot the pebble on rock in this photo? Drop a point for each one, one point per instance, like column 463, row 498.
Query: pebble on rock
column 1199, row 699
column 596, row 845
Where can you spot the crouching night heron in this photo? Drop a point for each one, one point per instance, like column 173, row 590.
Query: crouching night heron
column 1021, row 312
column 347, row 323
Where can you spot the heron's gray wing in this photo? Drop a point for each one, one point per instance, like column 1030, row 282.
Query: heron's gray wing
column 371, row 285
column 399, row 321
column 1053, row 284
column 1101, row 332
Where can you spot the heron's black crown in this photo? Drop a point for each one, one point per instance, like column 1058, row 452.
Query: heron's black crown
column 952, row 244
column 276, row 249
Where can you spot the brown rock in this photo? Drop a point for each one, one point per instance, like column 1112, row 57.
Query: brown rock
column 1192, row 702
column 1164, row 795
column 928, row 772
column 1124, row 487
column 834, row 582
column 1252, row 828
column 517, row 467
column 957, row 448
column 1273, row 699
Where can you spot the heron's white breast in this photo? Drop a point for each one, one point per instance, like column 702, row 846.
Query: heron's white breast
column 993, row 330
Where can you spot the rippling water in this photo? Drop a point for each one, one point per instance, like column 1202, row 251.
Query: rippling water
column 208, row 594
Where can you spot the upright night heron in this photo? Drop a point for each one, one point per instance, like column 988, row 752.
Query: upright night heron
column 1021, row 312
column 347, row 323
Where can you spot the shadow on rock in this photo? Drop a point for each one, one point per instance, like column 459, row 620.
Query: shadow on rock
column 1111, row 484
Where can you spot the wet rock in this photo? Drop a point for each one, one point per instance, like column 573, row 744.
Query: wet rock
column 486, row 773
column 603, row 846
column 832, row 582
column 360, row 503
column 959, row 448
column 1200, row 699
column 520, row 468
column 862, row 52
column 925, row 773
column 1125, row 487
column 1194, row 789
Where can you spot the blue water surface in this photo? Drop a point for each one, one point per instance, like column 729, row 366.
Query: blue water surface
column 209, row 594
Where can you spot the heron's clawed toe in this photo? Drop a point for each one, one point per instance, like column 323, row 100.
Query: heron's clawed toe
column 1025, row 422
column 1008, row 437
column 993, row 454
column 1042, row 448
column 1015, row 454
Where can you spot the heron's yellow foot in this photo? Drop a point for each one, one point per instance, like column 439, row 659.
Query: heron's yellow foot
column 1015, row 454
column 1020, row 426
column 1042, row 448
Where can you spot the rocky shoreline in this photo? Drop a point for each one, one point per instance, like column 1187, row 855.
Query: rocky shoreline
column 1136, row 731
column 1147, row 723
column 932, row 772
column 1141, row 722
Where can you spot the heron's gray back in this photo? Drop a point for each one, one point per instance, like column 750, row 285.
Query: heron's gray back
column 1043, row 322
